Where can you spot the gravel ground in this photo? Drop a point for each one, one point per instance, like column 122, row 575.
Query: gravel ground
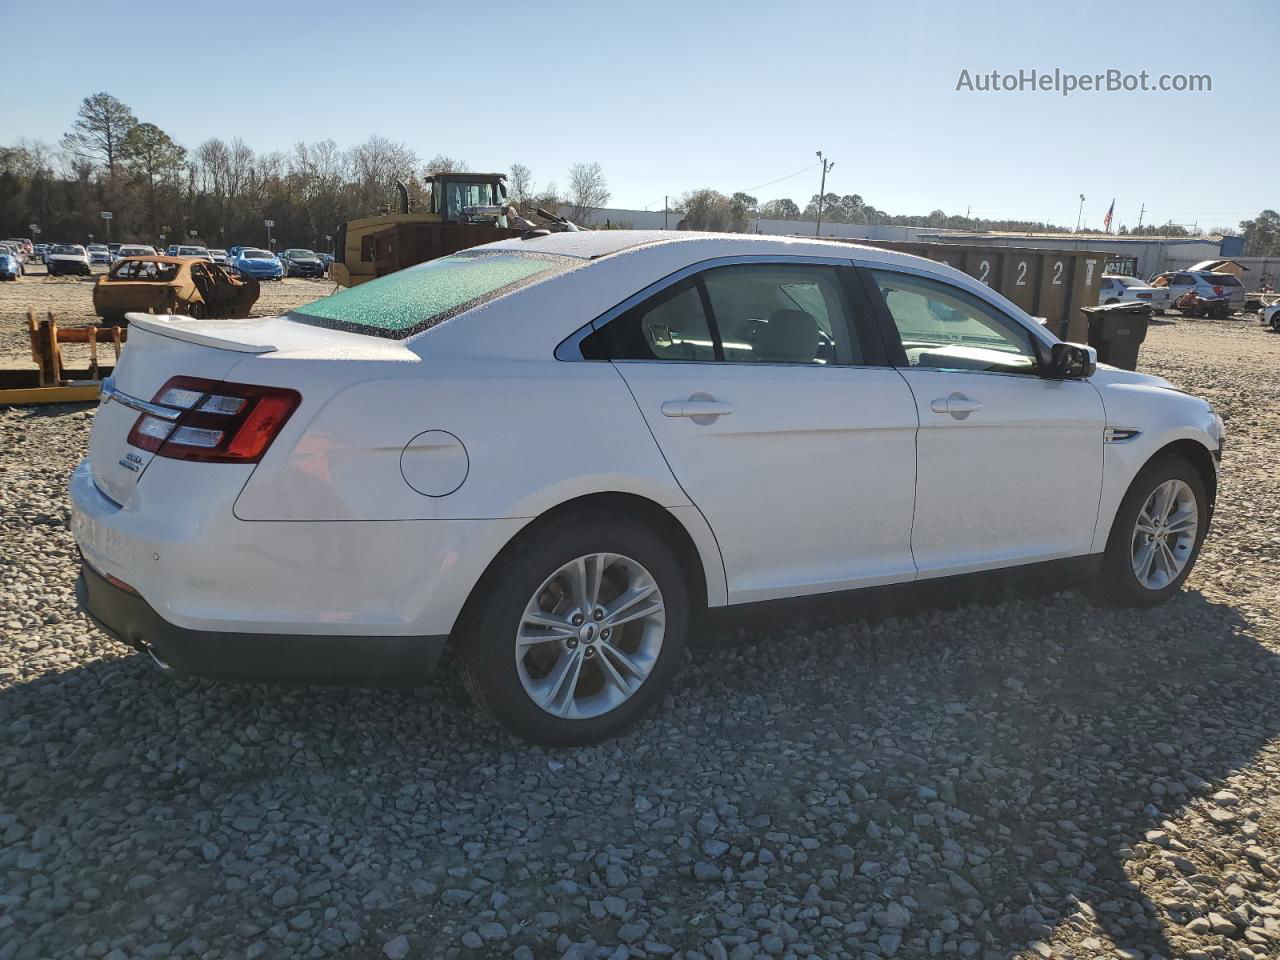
column 1027, row 776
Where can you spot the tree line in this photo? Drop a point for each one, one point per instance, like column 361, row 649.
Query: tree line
column 709, row 209
column 220, row 192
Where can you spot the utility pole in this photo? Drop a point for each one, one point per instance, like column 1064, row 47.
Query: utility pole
column 827, row 165
column 1080, row 213
column 1140, row 213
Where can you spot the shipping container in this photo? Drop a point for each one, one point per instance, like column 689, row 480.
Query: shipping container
column 1053, row 284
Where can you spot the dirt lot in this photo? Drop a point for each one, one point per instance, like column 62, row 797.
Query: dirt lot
column 70, row 300
column 1025, row 776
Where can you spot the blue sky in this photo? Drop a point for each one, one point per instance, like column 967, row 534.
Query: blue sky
column 670, row 97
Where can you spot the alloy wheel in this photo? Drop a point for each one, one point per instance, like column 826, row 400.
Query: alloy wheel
column 1164, row 535
column 590, row 636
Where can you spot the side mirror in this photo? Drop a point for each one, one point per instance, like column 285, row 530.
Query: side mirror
column 1068, row 361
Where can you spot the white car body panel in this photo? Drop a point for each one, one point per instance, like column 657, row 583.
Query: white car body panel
column 774, row 477
column 1161, row 414
column 1016, row 481
column 205, row 570
column 326, row 535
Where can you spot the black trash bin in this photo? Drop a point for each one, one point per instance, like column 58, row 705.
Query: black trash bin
column 1117, row 330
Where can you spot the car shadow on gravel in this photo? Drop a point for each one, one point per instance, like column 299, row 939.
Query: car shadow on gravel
column 995, row 762
column 1077, row 730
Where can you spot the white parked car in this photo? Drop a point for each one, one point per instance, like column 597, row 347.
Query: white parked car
column 1223, row 287
column 1117, row 288
column 67, row 258
column 554, row 452
column 134, row 250
column 98, row 253
column 218, row 256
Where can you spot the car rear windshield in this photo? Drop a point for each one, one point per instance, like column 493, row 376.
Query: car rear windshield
column 1222, row 279
column 411, row 300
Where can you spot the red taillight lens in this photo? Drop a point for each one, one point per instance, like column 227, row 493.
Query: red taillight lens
column 1217, row 291
column 218, row 422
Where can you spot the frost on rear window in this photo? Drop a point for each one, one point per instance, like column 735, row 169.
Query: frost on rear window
column 411, row 300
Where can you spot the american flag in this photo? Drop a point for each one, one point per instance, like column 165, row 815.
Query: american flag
column 1106, row 221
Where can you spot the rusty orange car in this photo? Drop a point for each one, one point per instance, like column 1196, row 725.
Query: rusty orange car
column 185, row 285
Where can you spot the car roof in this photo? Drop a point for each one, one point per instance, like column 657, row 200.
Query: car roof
column 616, row 263
column 594, row 244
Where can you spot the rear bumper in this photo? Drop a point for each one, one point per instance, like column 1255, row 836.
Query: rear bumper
column 292, row 658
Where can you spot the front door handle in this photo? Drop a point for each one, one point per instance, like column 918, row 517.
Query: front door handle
column 700, row 408
column 958, row 405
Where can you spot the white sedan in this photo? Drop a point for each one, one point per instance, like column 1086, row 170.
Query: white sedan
column 1117, row 288
column 553, row 452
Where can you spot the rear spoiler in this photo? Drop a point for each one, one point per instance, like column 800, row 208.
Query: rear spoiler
column 207, row 333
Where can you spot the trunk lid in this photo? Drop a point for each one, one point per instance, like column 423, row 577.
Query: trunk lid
column 161, row 347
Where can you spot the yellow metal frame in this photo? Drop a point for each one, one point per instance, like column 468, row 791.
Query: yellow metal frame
column 49, row 381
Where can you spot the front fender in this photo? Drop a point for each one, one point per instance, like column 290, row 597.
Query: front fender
column 1161, row 416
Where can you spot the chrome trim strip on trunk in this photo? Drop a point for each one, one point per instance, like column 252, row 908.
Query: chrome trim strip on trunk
column 109, row 393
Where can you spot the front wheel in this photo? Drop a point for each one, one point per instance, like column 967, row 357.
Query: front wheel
column 577, row 632
column 1275, row 322
column 1156, row 536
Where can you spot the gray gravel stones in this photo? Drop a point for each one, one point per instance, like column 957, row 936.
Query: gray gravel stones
column 1031, row 776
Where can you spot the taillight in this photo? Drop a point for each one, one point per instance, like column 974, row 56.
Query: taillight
column 1144, row 296
column 1217, row 291
column 217, row 422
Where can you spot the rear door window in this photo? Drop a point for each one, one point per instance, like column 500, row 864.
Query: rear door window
column 765, row 312
column 782, row 313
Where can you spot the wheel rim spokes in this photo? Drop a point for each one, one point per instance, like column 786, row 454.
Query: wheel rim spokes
column 1164, row 534
column 590, row 636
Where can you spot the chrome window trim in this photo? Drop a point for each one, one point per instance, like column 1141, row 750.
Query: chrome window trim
column 570, row 347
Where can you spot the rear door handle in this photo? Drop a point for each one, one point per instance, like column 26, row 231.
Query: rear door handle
column 958, row 405
column 700, row 408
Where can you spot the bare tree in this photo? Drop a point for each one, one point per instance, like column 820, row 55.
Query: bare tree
column 520, row 184
column 99, row 133
column 376, row 166
column 443, row 164
column 588, row 190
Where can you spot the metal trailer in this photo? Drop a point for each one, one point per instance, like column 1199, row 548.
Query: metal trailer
column 1053, row 284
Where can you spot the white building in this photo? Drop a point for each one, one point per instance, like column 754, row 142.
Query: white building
column 1152, row 254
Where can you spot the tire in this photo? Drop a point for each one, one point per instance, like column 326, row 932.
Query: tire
column 1111, row 301
column 1275, row 322
column 529, row 576
column 1116, row 581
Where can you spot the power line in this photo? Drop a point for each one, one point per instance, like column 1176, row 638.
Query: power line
column 761, row 185
column 779, row 180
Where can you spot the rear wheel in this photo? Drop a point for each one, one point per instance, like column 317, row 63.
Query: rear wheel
column 1156, row 536
column 577, row 632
